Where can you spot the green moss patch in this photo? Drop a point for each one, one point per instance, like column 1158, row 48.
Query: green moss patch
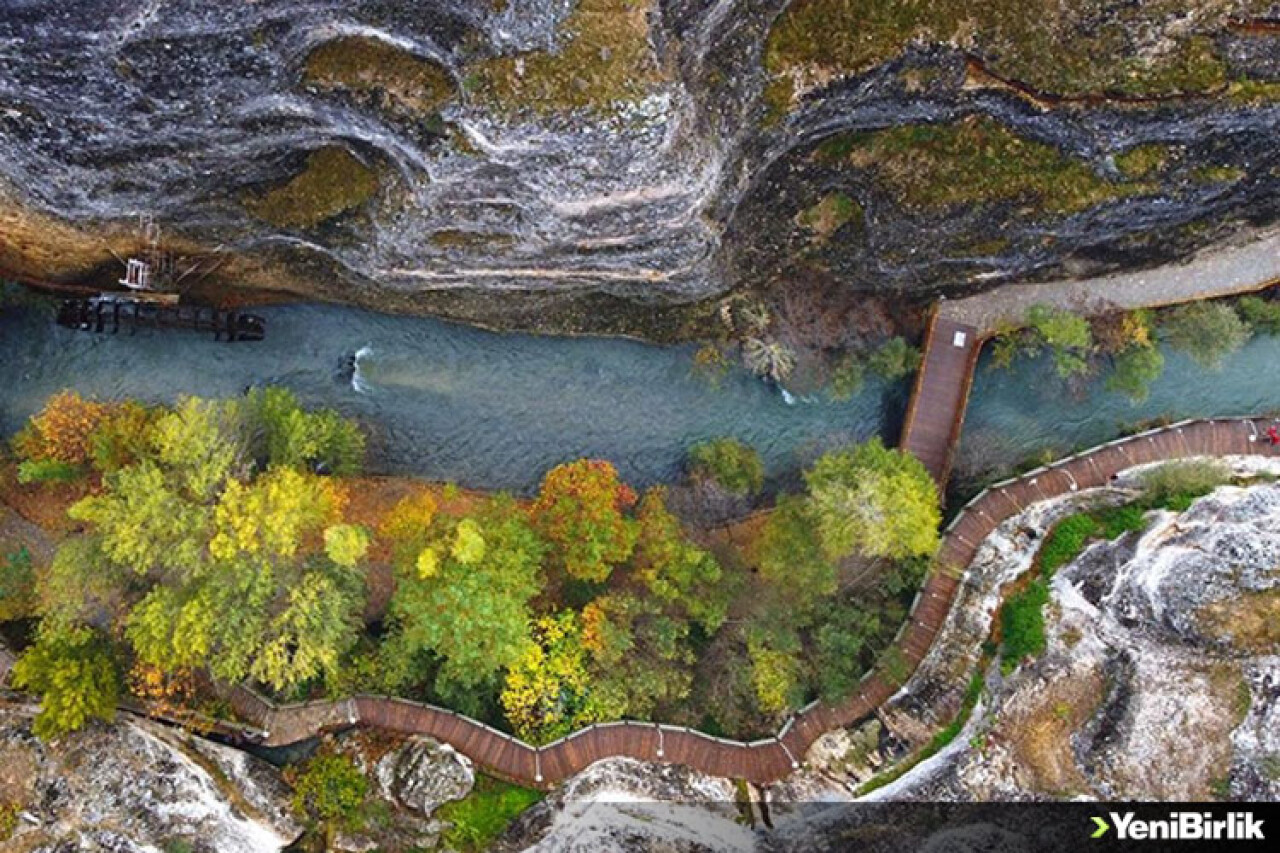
column 482, row 816
column 829, row 215
column 1157, row 47
column 1143, row 161
column 332, row 182
column 605, row 57
column 375, row 69
column 973, row 161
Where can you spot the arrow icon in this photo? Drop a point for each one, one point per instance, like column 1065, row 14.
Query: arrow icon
column 1102, row 825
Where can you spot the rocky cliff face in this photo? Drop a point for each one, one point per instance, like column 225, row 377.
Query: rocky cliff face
column 501, row 160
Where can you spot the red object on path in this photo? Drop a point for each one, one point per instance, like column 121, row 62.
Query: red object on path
column 1273, row 435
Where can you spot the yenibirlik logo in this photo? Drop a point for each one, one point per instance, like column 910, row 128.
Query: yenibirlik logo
column 1182, row 826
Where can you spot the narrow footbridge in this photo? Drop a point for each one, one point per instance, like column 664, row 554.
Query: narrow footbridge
column 772, row 758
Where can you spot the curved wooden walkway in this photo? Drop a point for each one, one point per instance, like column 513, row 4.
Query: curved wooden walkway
column 772, row 758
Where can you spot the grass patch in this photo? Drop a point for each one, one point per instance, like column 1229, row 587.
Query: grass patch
column 1022, row 625
column 605, row 57
column 1079, row 48
column 829, row 215
column 387, row 75
column 332, row 182
column 976, row 160
column 480, row 818
column 1176, row 485
column 1217, row 174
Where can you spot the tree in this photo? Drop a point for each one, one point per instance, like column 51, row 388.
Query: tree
column 875, row 501
column 60, row 431
column 641, row 658
column 308, row 638
column 122, row 437
column 17, row 585
column 270, row 516
column 843, row 645
column 1067, row 336
column 1134, row 370
column 580, row 511
column 407, row 528
column 144, row 522
column 1262, row 315
column 768, row 358
column 201, row 442
column 775, row 675
column 286, row 434
column 469, row 601
column 72, row 670
column 672, row 568
column 791, row 558
column 1206, row 331
column 729, row 463
column 346, row 544
column 894, row 359
column 546, row 694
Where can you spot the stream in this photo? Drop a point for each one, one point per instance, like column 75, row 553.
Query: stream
column 488, row 410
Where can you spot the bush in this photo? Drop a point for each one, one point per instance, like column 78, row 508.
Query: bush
column 1022, row 624
column 1263, row 315
column 894, row 359
column 847, row 378
column 48, row 471
column 1206, row 331
column 330, row 792
column 1175, row 485
column 729, row 463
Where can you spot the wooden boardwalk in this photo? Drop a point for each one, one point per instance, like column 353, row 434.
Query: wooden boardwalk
column 773, row 758
column 935, row 415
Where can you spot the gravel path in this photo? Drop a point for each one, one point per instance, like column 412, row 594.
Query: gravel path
column 1246, row 264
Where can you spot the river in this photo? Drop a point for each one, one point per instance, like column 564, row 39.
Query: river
column 451, row 402
column 489, row 410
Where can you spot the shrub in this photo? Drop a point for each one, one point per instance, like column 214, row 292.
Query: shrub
column 729, row 463
column 17, row 585
column 1206, row 331
column 1263, row 315
column 73, row 671
column 330, row 792
column 894, row 359
column 847, row 378
column 1174, row 485
column 1022, row 624
column 48, row 471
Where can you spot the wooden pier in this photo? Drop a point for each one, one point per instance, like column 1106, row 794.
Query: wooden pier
column 111, row 315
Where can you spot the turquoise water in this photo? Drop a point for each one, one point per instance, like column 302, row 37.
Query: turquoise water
column 496, row 411
column 1027, row 409
column 451, row 402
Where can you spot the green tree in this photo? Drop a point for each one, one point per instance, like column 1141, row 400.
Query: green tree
column 674, row 569
column 1067, row 336
column 875, row 501
column 122, row 438
column 1262, row 315
column 1134, row 370
column 346, row 544
column 547, row 691
column 310, row 635
column 729, row 463
column 202, row 443
column 843, row 644
column 1206, row 331
column 894, row 359
column 641, row 657
column 72, row 670
column 286, row 434
column 775, row 675
column 472, row 608
column 580, row 511
column 269, row 516
column 791, row 558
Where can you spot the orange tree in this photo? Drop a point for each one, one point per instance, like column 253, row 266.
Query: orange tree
column 581, row 512
column 61, row 431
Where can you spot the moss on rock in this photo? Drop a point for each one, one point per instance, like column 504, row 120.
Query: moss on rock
column 371, row 68
column 332, row 182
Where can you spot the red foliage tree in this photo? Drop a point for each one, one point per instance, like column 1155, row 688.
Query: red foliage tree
column 581, row 510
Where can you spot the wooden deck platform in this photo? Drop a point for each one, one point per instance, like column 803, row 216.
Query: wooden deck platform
column 935, row 415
